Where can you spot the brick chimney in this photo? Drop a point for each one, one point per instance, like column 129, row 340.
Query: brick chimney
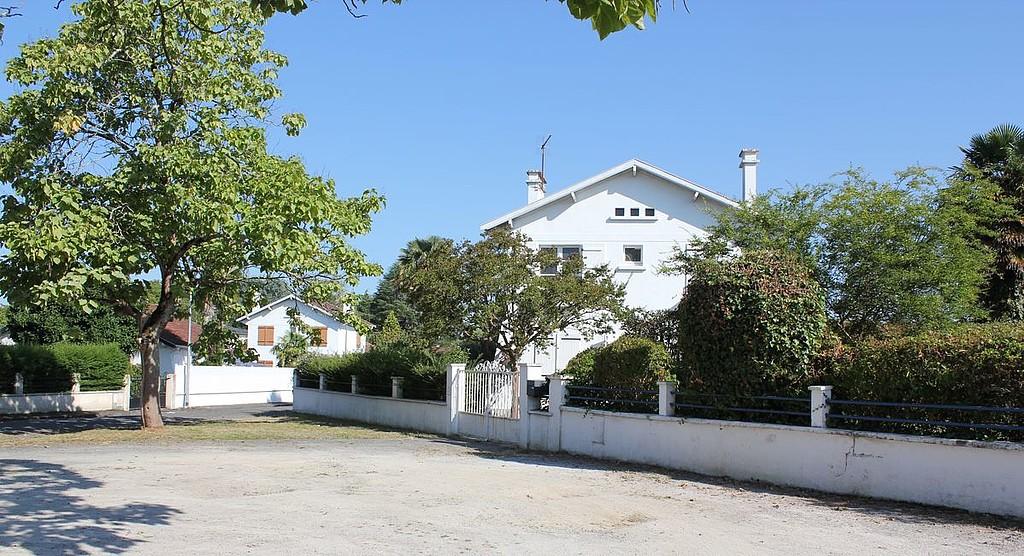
column 748, row 162
column 534, row 185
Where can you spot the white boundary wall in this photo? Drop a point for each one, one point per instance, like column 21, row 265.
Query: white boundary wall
column 420, row 415
column 972, row 475
column 232, row 385
column 101, row 400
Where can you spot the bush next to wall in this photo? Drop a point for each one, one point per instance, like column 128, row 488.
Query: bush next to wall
column 974, row 364
column 423, row 369
column 631, row 362
column 750, row 324
column 581, row 367
column 50, row 368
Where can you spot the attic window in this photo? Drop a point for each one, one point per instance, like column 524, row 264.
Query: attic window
column 620, row 212
column 648, row 212
column 634, row 212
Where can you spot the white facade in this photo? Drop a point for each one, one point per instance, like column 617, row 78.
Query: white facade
column 631, row 217
column 274, row 320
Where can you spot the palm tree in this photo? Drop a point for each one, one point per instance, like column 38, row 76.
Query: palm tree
column 998, row 156
column 414, row 253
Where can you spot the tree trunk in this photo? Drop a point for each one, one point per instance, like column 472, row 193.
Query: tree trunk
column 149, row 349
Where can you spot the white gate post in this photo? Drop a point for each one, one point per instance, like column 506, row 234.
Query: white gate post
column 454, row 388
column 526, row 403
column 126, row 393
column 556, row 397
column 354, row 384
column 396, row 386
column 820, row 397
column 19, row 383
column 76, row 383
column 666, row 398
column 323, row 382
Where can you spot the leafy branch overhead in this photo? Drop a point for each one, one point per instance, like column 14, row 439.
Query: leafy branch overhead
column 606, row 16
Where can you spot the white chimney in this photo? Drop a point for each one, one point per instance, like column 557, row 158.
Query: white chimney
column 534, row 185
column 748, row 162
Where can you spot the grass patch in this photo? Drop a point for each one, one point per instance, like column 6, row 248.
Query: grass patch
column 290, row 427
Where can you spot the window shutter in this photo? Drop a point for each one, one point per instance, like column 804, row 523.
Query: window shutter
column 265, row 336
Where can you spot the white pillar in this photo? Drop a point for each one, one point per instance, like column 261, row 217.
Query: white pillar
column 323, row 382
column 171, row 391
column 295, row 379
column 666, row 398
column 76, row 383
column 354, row 384
column 526, row 403
column 19, row 383
column 126, row 393
column 820, row 397
column 454, row 387
column 396, row 386
column 556, row 397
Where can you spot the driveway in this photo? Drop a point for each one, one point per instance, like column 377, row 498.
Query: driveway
column 432, row 495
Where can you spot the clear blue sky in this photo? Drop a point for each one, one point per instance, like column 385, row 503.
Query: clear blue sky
column 440, row 105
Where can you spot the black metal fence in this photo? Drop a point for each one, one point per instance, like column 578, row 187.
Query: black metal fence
column 783, row 410
column 976, row 422
column 612, row 399
column 411, row 389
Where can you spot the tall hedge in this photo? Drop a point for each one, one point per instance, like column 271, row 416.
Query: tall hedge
column 50, row 368
column 750, row 324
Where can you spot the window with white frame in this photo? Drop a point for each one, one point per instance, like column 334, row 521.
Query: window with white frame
column 633, row 255
column 563, row 252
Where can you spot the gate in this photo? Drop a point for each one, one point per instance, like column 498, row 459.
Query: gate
column 491, row 391
column 135, row 397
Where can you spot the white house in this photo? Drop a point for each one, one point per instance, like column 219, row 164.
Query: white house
column 630, row 217
column 266, row 325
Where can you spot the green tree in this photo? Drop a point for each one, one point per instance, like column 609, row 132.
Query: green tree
column 903, row 253
column 69, row 323
column 606, row 16
column 414, row 253
column 136, row 145
column 389, row 332
column 498, row 292
column 997, row 157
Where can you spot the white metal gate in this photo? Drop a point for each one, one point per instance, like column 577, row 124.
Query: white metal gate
column 492, row 391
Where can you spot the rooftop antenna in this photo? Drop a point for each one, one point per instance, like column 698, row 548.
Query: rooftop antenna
column 543, row 146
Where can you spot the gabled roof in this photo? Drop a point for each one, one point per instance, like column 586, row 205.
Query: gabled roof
column 176, row 332
column 324, row 308
column 632, row 165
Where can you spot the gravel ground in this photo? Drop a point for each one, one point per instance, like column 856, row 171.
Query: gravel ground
column 434, row 496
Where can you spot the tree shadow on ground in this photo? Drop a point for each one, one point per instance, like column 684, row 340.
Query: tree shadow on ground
column 40, row 513
column 79, row 423
column 904, row 512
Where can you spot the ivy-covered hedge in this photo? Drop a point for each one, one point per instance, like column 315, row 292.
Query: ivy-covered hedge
column 423, row 369
column 49, row 368
column 749, row 325
column 631, row 362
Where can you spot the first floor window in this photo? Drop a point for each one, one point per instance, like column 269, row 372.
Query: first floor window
column 633, row 255
column 265, row 336
column 562, row 252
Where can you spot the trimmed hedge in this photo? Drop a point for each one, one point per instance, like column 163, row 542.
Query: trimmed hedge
column 423, row 370
column 581, row 367
column 750, row 325
column 49, row 368
column 631, row 362
column 974, row 364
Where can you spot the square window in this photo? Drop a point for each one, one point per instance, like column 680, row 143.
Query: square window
column 265, row 336
column 552, row 268
column 634, row 212
column 649, row 212
column 620, row 212
column 633, row 255
column 569, row 252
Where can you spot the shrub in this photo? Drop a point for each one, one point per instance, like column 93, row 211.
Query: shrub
column 750, row 325
column 49, row 368
column 581, row 367
column 661, row 326
column 631, row 362
column 974, row 364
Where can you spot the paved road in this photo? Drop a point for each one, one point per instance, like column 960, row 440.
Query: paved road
column 18, row 424
column 431, row 495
